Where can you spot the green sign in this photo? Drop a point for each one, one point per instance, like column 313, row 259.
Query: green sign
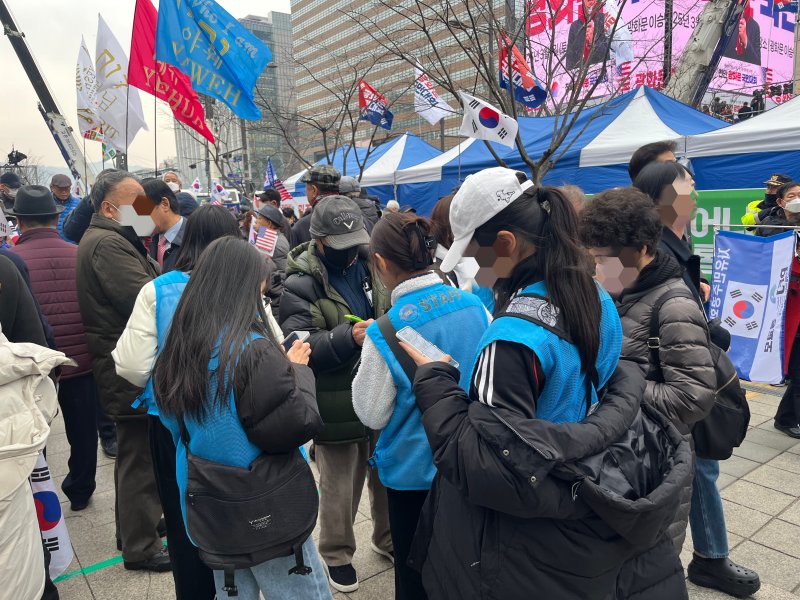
column 718, row 208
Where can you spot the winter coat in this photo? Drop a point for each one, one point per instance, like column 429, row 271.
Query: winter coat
column 525, row 508
column 113, row 266
column 77, row 222
column 686, row 394
column 28, row 402
column 19, row 317
column 51, row 265
column 70, row 205
column 368, row 210
column 310, row 303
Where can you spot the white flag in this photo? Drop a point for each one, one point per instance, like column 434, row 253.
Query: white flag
column 86, row 84
column 485, row 122
column 117, row 104
column 427, row 102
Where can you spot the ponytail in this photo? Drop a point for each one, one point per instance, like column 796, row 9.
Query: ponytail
column 405, row 240
column 546, row 218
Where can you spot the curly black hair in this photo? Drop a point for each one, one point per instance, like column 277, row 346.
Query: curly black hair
column 621, row 218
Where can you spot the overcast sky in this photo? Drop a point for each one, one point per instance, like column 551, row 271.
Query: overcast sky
column 53, row 29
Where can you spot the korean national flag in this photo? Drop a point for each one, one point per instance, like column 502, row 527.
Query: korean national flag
column 750, row 284
column 485, row 122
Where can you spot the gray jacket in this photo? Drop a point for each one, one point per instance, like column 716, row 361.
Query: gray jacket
column 687, row 392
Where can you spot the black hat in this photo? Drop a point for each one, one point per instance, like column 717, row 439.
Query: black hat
column 778, row 179
column 35, row 201
column 10, row 179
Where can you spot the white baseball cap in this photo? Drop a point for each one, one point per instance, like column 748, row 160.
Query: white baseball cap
column 478, row 200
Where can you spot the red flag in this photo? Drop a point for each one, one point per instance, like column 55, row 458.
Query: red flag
column 160, row 79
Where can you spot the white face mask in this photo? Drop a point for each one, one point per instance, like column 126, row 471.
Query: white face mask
column 12, row 192
column 143, row 225
column 174, row 186
column 793, row 206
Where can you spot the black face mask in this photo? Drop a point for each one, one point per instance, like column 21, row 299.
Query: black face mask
column 340, row 259
column 771, row 198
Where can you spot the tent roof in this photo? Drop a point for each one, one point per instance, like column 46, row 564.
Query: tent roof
column 381, row 164
column 648, row 116
column 605, row 134
column 777, row 129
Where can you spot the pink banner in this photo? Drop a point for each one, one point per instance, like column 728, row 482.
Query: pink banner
column 760, row 52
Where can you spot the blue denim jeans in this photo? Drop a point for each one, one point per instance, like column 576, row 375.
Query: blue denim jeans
column 273, row 580
column 706, row 518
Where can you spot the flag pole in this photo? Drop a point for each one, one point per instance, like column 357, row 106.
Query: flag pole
column 155, row 131
column 85, row 167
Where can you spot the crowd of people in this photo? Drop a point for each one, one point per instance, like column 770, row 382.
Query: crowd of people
column 489, row 373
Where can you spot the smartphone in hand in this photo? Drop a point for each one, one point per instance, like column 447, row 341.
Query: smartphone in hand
column 293, row 337
column 413, row 338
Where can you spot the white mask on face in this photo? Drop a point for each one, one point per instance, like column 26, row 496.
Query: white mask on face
column 174, row 187
column 12, row 192
column 793, row 206
column 143, row 225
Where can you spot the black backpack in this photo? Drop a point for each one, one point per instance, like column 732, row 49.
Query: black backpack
column 725, row 427
column 239, row 518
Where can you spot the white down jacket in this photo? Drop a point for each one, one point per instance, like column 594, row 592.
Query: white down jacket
column 28, row 403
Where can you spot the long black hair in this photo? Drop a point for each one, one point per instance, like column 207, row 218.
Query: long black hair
column 219, row 308
column 545, row 218
column 405, row 240
column 656, row 176
column 206, row 224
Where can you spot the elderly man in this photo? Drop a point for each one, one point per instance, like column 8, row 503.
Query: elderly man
column 61, row 188
column 9, row 184
column 186, row 201
column 350, row 187
column 112, row 267
column 321, row 181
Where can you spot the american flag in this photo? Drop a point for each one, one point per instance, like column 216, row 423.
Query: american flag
column 271, row 180
column 218, row 193
column 264, row 239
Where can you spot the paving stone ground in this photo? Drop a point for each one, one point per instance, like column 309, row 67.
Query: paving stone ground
column 760, row 487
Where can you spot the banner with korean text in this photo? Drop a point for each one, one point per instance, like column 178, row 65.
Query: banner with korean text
column 749, row 288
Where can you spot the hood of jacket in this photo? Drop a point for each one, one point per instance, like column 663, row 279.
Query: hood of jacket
column 625, row 461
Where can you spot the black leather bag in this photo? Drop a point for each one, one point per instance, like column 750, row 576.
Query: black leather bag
column 240, row 518
column 725, row 427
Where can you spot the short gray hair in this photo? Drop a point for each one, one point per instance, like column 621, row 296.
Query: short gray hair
column 106, row 182
column 164, row 176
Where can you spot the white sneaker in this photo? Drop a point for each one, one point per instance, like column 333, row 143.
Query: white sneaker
column 384, row 553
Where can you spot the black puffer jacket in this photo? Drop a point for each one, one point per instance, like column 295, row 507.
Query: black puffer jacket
column 683, row 384
column 524, row 508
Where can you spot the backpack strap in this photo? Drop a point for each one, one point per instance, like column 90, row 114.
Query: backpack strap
column 538, row 310
column 390, row 335
column 654, row 341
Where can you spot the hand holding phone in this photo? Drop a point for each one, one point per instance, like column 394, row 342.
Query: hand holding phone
column 424, row 348
column 296, row 349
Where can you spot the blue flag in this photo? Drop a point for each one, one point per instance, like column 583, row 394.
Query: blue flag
column 222, row 59
column 751, row 302
column 373, row 106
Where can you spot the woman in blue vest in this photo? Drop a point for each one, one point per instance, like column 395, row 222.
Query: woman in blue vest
column 135, row 355
column 266, row 402
column 500, row 521
column 402, row 247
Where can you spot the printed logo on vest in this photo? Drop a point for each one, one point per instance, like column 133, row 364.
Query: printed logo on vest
column 409, row 313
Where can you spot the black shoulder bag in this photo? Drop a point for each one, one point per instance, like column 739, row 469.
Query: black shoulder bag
column 725, row 427
column 239, row 518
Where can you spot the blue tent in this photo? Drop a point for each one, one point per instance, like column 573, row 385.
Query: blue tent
column 744, row 155
column 381, row 165
column 593, row 155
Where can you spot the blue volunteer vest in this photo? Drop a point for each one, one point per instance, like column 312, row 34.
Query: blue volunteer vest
column 453, row 320
column 220, row 438
column 169, row 288
column 563, row 396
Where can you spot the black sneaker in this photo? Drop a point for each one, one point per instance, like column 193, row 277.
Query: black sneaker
column 792, row 431
column 109, row 447
column 724, row 575
column 78, row 505
column 343, row 579
column 158, row 563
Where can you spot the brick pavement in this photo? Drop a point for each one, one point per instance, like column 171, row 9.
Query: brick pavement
column 760, row 489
